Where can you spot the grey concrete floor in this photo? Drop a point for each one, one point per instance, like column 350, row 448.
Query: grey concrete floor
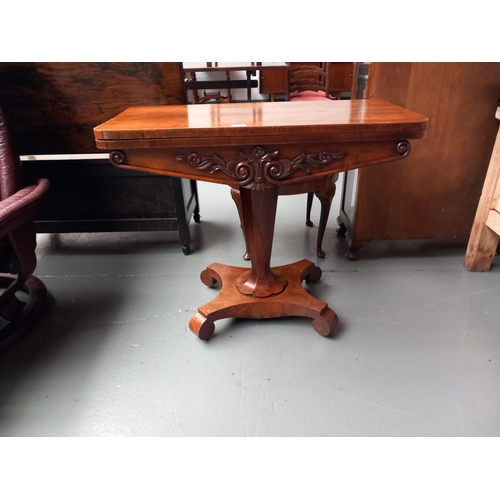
column 416, row 352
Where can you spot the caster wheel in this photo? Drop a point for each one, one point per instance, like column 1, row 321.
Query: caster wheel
column 186, row 249
column 342, row 230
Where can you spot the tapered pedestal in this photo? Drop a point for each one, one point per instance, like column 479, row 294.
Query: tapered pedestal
column 293, row 300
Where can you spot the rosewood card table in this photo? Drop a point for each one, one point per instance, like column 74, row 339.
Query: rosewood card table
column 261, row 149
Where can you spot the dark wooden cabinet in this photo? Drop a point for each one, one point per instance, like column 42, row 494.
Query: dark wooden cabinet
column 53, row 108
column 272, row 81
column 95, row 196
column 435, row 192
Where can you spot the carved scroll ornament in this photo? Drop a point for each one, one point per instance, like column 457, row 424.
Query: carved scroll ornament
column 260, row 169
column 403, row 148
column 117, row 157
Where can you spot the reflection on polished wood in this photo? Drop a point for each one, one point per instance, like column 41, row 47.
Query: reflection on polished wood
column 261, row 149
column 239, row 123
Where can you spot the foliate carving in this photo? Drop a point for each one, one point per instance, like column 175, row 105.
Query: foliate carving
column 260, row 169
column 403, row 148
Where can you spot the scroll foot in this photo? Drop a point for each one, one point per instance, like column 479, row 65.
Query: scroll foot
column 311, row 274
column 293, row 300
column 209, row 277
column 326, row 322
column 202, row 327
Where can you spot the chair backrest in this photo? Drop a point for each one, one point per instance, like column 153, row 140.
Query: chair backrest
column 10, row 165
column 306, row 77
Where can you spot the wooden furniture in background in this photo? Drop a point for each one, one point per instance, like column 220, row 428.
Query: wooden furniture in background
column 291, row 144
column 434, row 193
column 273, row 82
column 341, row 77
column 324, row 189
column 308, row 82
column 485, row 234
column 192, row 82
column 325, row 195
column 53, row 108
column 193, row 85
column 301, row 79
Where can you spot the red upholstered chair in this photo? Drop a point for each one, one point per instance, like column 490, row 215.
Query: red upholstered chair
column 17, row 244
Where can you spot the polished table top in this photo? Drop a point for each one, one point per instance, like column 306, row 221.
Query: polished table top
column 260, row 149
column 155, row 137
column 350, row 120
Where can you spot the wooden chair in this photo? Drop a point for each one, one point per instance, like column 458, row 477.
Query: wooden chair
column 311, row 83
column 210, row 96
column 308, row 82
column 324, row 188
column 17, row 244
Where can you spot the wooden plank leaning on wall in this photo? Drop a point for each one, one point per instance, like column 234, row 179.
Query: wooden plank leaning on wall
column 485, row 232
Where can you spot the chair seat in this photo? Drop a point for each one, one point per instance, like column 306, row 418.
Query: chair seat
column 309, row 95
